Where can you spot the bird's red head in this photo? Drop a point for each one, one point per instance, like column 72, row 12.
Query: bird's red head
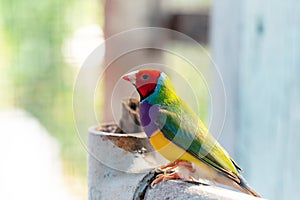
column 144, row 80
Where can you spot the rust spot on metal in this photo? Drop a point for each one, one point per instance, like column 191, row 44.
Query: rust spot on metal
column 127, row 142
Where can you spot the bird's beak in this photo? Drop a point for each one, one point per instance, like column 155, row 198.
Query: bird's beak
column 131, row 77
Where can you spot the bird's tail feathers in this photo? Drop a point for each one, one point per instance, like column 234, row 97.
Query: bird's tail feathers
column 246, row 187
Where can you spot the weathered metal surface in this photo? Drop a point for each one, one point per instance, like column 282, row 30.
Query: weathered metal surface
column 119, row 171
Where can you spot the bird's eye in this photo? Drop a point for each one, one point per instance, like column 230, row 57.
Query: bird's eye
column 145, row 76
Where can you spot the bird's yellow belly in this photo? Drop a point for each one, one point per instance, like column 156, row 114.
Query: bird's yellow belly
column 170, row 150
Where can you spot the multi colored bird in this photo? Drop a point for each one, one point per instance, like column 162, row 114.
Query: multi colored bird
column 177, row 133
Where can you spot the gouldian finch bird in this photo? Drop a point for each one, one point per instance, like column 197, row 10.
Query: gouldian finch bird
column 178, row 134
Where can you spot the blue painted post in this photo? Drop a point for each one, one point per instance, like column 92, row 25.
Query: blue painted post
column 258, row 52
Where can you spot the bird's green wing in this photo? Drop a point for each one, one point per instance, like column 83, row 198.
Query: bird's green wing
column 183, row 127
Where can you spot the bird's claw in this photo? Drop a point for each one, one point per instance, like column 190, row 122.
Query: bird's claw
column 169, row 171
column 164, row 177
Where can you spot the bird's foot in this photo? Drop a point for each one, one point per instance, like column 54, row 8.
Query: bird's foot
column 172, row 165
column 164, row 177
column 171, row 173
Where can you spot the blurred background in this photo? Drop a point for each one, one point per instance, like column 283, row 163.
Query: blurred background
column 43, row 45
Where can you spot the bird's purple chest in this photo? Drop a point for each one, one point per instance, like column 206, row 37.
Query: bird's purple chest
column 148, row 115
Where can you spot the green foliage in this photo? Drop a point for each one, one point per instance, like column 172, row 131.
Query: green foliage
column 35, row 31
column 42, row 83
